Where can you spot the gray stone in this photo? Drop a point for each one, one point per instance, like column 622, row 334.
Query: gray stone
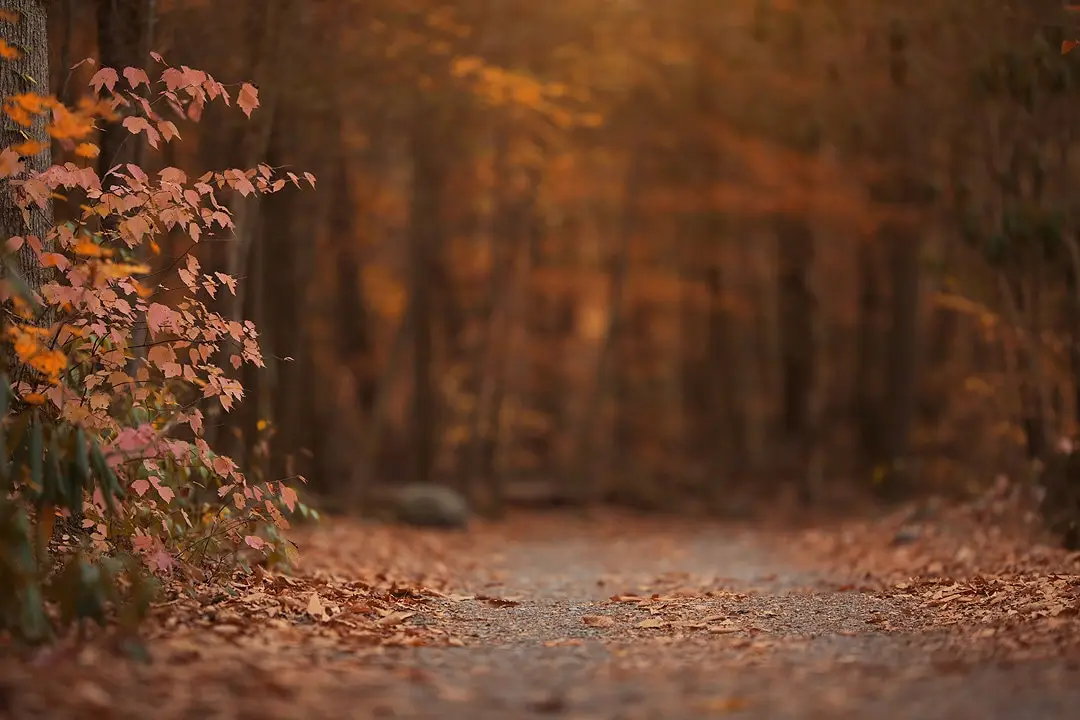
column 428, row 505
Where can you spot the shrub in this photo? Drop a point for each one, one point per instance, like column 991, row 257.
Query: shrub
column 94, row 432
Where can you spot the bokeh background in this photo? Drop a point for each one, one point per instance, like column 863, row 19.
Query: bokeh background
column 674, row 254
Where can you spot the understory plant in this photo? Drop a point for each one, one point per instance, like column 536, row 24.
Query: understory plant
column 107, row 485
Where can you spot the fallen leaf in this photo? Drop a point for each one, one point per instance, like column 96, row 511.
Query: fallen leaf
column 499, row 602
column 395, row 618
column 599, row 621
column 315, row 607
column 724, row 629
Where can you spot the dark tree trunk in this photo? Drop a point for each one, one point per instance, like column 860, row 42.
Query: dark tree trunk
column 904, row 355
column 798, row 346
column 124, row 38
column 424, row 242
column 868, row 397
column 27, row 73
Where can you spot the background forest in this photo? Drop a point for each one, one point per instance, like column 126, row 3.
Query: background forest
column 651, row 253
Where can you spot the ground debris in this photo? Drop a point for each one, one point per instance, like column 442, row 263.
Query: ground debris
column 618, row 616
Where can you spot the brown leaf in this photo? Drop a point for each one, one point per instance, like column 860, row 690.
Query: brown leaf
column 315, row 607
column 600, row 621
column 395, row 618
column 499, row 602
column 724, row 629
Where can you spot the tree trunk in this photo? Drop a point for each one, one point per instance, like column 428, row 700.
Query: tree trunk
column 868, row 395
column 27, row 73
column 904, row 354
column 798, row 347
column 125, row 36
column 124, row 40
column 478, row 452
column 268, row 27
column 424, row 241
column 584, row 470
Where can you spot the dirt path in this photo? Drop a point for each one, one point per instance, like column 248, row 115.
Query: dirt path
column 736, row 631
column 616, row 619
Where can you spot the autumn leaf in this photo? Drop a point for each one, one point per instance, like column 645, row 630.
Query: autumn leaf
column 289, row 497
column 395, row 618
column 28, row 148
column 157, row 315
column 87, row 150
column 104, row 78
column 162, row 561
column 315, row 607
column 460, row 67
column 598, row 621
column 56, row 260
column 10, row 163
column 136, row 76
column 1068, row 45
column 168, row 130
column 135, row 124
column 248, row 98
column 7, row 52
column 86, row 248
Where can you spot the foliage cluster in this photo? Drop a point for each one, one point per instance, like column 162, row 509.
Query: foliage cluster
column 107, row 363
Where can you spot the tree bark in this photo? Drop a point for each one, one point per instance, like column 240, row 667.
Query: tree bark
column 587, row 488
column 798, row 347
column 27, row 73
column 424, row 241
column 904, row 355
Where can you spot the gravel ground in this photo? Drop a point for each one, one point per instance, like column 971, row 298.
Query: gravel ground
column 746, row 636
column 565, row 618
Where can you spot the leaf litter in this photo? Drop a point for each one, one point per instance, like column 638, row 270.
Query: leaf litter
column 549, row 615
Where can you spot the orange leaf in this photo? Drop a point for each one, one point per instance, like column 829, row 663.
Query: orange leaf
column 248, row 99
column 1068, row 45
column 55, row 260
column 10, row 163
column 28, row 148
column 85, row 248
column 8, row 52
column 87, row 150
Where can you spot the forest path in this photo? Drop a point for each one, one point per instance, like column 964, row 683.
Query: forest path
column 617, row 617
column 631, row 618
